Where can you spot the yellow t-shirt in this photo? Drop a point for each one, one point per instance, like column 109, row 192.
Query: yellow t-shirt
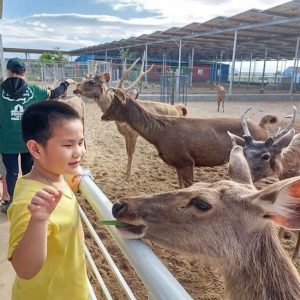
column 64, row 275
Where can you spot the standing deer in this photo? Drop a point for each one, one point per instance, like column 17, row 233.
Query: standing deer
column 227, row 223
column 96, row 89
column 278, row 156
column 183, row 143
column 220, row 95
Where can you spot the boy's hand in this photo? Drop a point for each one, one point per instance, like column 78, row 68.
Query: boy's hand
column 73, row 181
column 43, row 203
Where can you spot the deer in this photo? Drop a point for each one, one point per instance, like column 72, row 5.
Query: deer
column 277, row 155
column 75, row 102
column 183, row 143
column 228, row 224
column 276, row 158
column 220, row 95
column 97, row 89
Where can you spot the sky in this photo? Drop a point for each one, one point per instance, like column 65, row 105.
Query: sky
column 73, row 24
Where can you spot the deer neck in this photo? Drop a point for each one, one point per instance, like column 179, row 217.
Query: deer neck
column 103, row 101
column 266, row 272
column 149, row 126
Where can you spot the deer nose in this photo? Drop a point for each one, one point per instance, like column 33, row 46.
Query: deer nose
column 118, row 208
column 266, row 157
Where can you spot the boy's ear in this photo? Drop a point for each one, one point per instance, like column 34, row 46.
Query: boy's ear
column 34, row 148
column 281, row 203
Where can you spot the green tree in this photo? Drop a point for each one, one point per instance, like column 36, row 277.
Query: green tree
column 125, row 54
column 54, row 57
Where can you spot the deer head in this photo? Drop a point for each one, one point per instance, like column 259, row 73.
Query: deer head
column 93, row 87
column 114, row 111
column 212, row 219
column 262, row 156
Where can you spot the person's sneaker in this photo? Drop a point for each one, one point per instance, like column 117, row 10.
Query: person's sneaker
column 5, row 205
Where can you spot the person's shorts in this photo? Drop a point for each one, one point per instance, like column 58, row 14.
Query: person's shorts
column 2, row 167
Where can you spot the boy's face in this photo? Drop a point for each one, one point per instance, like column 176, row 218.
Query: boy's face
column 65, row 149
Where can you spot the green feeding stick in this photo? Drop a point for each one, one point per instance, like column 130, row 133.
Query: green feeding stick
column 111, row 222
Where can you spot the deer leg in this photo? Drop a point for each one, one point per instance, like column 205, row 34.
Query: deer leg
column 180, row 179
column 130, row 147
column 296, row 251
column 185, row 176
column 218, row 105
column 223, row 104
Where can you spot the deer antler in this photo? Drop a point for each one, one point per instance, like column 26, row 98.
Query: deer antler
column 244, row 123
column 281, row 132
column 141, row 75
column 126, row 73
column 96, row 67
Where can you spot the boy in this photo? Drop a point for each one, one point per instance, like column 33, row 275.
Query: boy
column 46, row 237
column 15, row 96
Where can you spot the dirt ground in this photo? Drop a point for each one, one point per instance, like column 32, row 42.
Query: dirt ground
column 106, row 158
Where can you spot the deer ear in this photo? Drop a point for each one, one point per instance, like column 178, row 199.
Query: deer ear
column 239, row 170
column 119, row 94
column 236, row 140
column 285, row 140
column 281, row 203
column 105, row 77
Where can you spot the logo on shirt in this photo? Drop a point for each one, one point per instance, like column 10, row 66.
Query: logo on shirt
column 27, row 96
column 17, row 112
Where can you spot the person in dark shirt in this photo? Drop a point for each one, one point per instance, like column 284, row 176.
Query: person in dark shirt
column 15, row 96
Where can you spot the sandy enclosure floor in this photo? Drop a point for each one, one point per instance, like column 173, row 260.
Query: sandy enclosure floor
column 106, row 158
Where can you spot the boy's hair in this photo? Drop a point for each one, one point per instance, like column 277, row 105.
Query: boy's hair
column 39, row 120
column 16, row 65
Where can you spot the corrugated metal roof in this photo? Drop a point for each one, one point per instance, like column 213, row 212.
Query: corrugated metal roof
column 276, row 29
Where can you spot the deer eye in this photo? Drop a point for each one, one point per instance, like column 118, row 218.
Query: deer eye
column 200, row 203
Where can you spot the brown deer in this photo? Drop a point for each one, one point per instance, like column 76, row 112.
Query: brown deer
column 227, row 223
column 75, row 102
column 220, row 95
column 277, row 157
column 96, row 89
column 183, row 143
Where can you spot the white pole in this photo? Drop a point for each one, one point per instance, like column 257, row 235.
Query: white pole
column 232, row 63
column 3, row 67
column 146, row 64
column 179, row 57
column 295, row 60
column 192, row 66
column 220, row 70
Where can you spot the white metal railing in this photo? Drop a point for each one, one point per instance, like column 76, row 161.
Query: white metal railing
column 97, row 274
column 109, row 260
column 160, row 283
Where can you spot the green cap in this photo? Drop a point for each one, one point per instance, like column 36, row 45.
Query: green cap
column 16, row 65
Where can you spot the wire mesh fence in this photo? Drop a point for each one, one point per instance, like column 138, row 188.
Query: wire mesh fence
column 199, row 79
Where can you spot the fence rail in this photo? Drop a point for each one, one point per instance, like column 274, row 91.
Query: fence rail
column 156, row 277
